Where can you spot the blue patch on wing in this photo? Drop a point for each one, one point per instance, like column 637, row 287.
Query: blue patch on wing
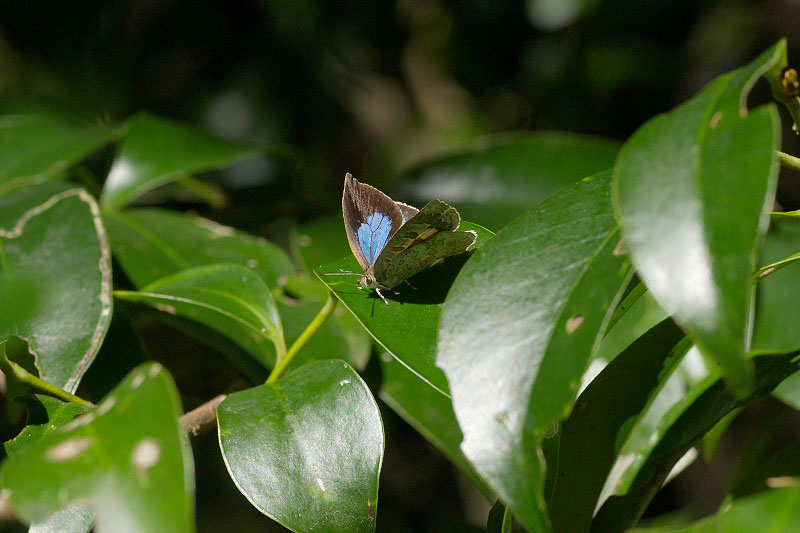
column 373, row 236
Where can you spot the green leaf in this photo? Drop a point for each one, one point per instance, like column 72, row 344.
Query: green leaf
column 521, row 324
column 128, row 459
column 699, row 410
column 693, row 189
column 153, row 243
column 36, row 146
column 776, row 511
column 55, row 278
column 407, row 328
column 777, row 326
column 307, row 449
column 45, row 414
column 589, row 436
column 428, row 411
column 156, row 151
column 785, row 462
column 71, row 519
column 230, row 299
column 634, row 317
column 502, row 176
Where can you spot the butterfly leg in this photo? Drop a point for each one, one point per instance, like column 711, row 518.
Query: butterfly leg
column 410, row 285
column 382, row 297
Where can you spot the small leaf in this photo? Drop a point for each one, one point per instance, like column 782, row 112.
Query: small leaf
column 407, row 328
column 45, row 414
column 156, row 151
column 307, row 449
column 231, row 299
column 128, row 459
column 774, row 510
column 55, row 278
column 153, row 243
column 693, row 189
column 521, row 324
column 71, row 519
column 502, row 176
column 36, row 146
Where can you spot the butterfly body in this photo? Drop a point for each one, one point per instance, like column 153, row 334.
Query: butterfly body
column 393, row 241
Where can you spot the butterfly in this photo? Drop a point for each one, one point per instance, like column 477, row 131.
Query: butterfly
column 392, row 241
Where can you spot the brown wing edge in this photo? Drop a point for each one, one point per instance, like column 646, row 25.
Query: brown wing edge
column 359, row 201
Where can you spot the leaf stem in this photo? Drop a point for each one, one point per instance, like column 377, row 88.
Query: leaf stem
column 785, row 215
column 769, row 269
column 210, row 194
column 788, row 161
column 322, row 317
column 14, row 371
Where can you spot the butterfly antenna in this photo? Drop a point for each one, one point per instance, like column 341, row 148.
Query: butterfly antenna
column 342, row 273
column 382, row 297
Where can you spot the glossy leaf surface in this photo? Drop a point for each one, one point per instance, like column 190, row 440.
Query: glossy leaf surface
column 554, row 273
column 229, row 298
column 311, row 441
column 693, row 189
column 35, row 146
column 156, row 151
column 502, row 176
column 127, row 459
column 55, row 278
column 153, row 243
column 407, row 328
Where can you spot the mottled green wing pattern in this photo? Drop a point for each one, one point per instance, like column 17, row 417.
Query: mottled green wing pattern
column 422, row 255
column 436, row 216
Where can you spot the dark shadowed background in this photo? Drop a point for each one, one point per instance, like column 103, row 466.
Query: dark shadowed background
column 374, row 88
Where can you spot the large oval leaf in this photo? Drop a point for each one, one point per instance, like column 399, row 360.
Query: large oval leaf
column 128, row 459
column 34, row 146
column 502, row 176
column 156, row 151
column 521, row 323
column 153, row 243
column 55, row 278
column 231, row 299
column 693, row 189
column 407, row 328
column 307, row 449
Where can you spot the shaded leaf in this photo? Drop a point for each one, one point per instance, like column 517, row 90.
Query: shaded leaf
column 127, row 458
column 407, row 328
column 502, row 176
column 777, row 327
column 55, row 278
column 702, row 407
column 428, row 411
column 156, row 151
column 522, row 322
column 45, row 414
column 153, row 243
column 36, row 146
column 312, row 440
column 776, row 511
column 693, row 189
column 230, row 299
column 590, row 436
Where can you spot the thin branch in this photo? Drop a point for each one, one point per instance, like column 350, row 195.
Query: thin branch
column 203, row 419
column 322, row 317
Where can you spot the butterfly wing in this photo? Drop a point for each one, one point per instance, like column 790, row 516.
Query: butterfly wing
column 420, row 256
column 370, row 220
column 432, row 219
column 407, row 210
